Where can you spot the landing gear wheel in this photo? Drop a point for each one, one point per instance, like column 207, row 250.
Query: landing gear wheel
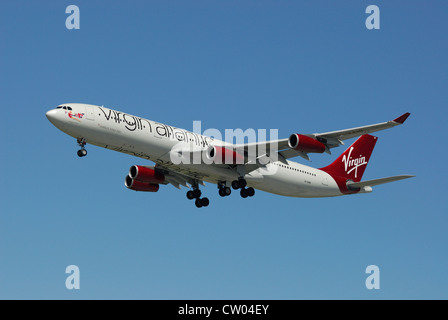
column 82, row 143
column 82, row 153
column 250, row 191
column 225, row 191
column 198, row 203
column 197, row 193
column 242, row 183
column 235, row 185
column 205, row 202
column 190, row 195
column 243, row 193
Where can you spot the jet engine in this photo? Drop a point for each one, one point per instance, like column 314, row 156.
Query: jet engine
column 140, row 186
column 304, row 143
column 145, row 174
column 143, row 179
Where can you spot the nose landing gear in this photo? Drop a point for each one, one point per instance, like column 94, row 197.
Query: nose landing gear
column 82, row 143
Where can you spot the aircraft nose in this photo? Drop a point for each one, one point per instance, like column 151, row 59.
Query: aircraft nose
column 51, row 115
column 55, row 119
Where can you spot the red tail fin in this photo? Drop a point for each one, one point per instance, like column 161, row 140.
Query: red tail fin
column 353, row 162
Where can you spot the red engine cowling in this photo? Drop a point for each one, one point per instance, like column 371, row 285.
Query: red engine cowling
column 140, row 186
column 221, row 155
column 303, row 143
column 145, row 174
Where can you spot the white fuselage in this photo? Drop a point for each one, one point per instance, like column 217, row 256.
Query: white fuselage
column 154, row 141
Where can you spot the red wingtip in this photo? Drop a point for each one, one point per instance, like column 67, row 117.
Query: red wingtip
column 402, row 119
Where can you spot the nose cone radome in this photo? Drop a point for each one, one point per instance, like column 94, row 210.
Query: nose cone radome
column 56, row 118
column 51, row 115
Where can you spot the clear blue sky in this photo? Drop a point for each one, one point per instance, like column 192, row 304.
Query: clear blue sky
column 296, row 66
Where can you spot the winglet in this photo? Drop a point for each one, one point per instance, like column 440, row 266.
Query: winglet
column 401, row 119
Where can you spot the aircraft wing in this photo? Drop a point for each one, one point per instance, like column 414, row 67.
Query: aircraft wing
column 334, row 138
column 330, row 139
column 177, row 179
column 259, row 154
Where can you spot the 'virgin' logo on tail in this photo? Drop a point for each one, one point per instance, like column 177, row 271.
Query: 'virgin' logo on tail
column 353, row 164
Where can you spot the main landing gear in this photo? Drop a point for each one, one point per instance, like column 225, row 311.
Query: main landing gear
column 196, row 194
column 223, row 190
column 241, row 184
column 82, row 143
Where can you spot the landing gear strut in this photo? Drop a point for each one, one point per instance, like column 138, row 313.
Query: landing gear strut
column 196, row 194
column 82, row 143
column 241, row 184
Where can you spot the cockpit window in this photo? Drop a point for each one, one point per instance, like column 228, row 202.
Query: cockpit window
column 64, row 107
column 59, row 107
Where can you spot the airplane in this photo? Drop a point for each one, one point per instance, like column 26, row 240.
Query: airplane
column 189, row 159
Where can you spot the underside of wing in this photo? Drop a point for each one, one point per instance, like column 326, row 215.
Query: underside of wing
column 178, row 179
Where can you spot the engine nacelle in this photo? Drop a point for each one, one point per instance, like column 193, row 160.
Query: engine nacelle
column 304, row 143
column 221, row 155
column 145, row 174
column 140, row 186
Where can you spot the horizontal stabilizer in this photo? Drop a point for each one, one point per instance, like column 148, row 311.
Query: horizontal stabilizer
column 375, row 182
